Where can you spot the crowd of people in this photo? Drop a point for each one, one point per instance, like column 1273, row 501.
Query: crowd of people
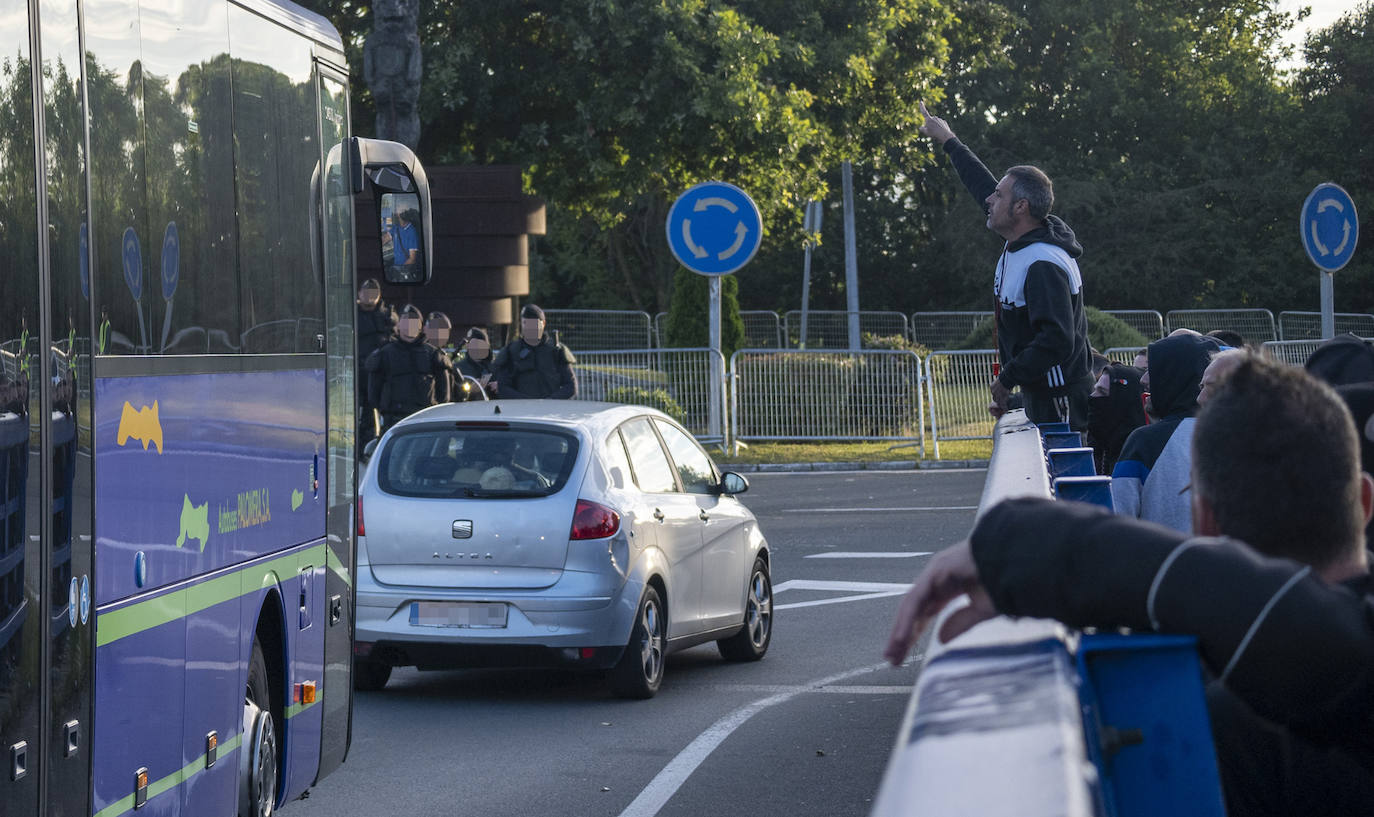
column 1243, row 496
column 407, row 362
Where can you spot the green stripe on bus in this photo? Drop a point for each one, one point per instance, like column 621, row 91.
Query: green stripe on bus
column 171, row 781
column 195, row 767
column 169, row 607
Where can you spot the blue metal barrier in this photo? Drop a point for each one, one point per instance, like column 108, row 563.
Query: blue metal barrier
column 1025, row 717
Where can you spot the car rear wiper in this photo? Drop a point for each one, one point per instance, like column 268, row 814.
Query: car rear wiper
column 494, row 493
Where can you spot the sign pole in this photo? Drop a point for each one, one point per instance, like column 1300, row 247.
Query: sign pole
column 717, row 370
column 851, row 258
column 1328, row 306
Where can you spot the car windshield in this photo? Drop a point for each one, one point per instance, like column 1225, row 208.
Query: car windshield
column 477, row 463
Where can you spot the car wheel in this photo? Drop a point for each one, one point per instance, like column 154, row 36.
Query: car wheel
column 640, row 670
column 370, row 676
column 751, row 642
column 259, row 755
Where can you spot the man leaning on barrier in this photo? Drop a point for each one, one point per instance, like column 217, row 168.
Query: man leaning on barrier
column 1285, row 625
column 1042, row 331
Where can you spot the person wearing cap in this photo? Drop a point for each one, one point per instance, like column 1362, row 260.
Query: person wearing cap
column 534, row 365
column 475, row 361
column 376, row 328
column 407, row 374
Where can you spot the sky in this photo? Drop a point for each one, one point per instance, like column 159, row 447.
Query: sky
column 1324, row 13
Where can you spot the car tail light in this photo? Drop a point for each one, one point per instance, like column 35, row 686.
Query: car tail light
column 361, row 530
column 593, row 521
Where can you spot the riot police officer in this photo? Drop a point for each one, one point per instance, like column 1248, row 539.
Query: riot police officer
column 407, row 374
column 475, row 361
column 535, row 365
column 376, row 328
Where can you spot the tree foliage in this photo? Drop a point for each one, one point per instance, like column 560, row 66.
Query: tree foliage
column 1180, row 149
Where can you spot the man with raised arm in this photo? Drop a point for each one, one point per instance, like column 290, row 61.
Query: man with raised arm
column 1042, row 333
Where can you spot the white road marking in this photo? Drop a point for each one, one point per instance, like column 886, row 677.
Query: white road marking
column 869, row 472
column 840, row 587
column 666, row 783
column 853, row 689
column 909, row 509
column 890, row 554
column 837, row 600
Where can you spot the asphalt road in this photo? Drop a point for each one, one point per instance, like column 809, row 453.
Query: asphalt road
column 806, row 731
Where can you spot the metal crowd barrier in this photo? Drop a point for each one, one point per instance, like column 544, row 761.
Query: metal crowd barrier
column 1255, row 325
column 762, row 329
column 675, row 381
column 1147, row 322
column 1292, row 352
column 942, row 330
column 600, row 328
column 958, row 387
column 1123, row 354
column 1025, row 717
column 1308, row 325
column 829, row 328
column 791, row 394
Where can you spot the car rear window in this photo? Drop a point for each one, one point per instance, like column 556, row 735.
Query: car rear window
column 477, row 463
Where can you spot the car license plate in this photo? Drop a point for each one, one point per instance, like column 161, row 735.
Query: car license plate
column 475, row 615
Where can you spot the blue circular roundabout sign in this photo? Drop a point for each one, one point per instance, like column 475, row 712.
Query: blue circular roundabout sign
column 714, row 228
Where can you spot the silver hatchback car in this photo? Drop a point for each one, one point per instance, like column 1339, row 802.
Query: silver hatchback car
column 533, row 532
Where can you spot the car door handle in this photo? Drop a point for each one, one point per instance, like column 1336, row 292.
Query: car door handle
column 703, row 516
column 658, row 514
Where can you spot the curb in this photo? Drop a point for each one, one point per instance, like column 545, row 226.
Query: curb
column 814, row 467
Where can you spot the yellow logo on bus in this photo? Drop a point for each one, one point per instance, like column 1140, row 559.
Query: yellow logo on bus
column 142, row 425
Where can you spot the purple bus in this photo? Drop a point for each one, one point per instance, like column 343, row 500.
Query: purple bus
column 177, row 402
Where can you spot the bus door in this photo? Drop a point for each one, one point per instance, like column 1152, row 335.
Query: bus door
column 45, row 416
column 334, row 236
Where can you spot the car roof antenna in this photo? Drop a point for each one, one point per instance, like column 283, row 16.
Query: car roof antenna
column 498, row 409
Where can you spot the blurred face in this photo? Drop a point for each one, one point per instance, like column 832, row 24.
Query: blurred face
column 531, row 330
column 1141, row 360
column 408, row 327
column 478, row 349
column 369, row 297
column 438, row 333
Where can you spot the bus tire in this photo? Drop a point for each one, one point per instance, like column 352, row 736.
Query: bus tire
column 369, row 675
column 260, row 752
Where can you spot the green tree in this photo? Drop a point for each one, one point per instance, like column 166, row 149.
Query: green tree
column 688, row 322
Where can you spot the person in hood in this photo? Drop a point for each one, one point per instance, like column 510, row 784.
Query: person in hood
column 1042, row 331
column 535, row 365
column 1151, row 478
column 1342, row 361
column 1114, row 411
column 407, row 374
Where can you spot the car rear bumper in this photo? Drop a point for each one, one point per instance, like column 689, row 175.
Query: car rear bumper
column 537, row 621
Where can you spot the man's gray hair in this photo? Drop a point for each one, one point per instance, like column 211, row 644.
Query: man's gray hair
column 1030, row 183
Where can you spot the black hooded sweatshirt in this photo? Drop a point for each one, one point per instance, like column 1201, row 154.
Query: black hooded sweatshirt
column 1042, row 331
column 1113, row 417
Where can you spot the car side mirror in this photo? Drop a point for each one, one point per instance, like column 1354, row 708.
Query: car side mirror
column 732, row 483
column 370, row 448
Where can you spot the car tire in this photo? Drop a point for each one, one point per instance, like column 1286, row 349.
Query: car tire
column 751, row 642
column 639, row 672
column 370, row 676
column 261, row 750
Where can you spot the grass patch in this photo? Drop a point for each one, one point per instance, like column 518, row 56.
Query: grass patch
column 780, row 452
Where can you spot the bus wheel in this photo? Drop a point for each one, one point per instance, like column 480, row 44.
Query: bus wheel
column 258, row 761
